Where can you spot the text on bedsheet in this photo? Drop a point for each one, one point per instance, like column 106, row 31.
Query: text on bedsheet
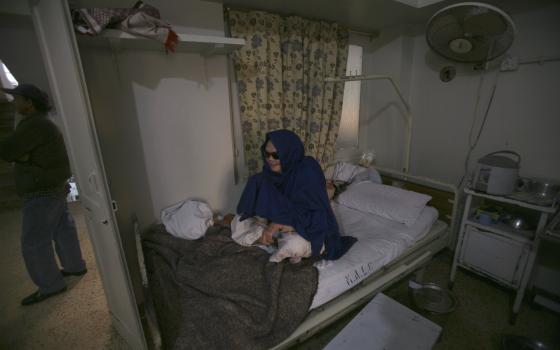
column 359, row 274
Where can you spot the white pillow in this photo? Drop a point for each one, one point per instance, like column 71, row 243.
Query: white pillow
column 348, row 172
column 387, row 201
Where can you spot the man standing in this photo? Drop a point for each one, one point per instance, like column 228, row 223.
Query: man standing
column 42, row 170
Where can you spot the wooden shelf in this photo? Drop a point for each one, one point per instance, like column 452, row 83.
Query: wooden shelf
column 191, row 43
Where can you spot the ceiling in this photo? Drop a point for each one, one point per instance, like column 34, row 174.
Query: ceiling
column 371, row 15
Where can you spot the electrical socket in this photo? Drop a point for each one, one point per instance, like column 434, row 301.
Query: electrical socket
column 509, row 64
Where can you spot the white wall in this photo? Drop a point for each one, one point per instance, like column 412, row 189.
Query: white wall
column 382, row 114
column 14, row 7
column 163, row 124
column 19, row 49
column 177, row 107
column 185, row 127
column 524, row 115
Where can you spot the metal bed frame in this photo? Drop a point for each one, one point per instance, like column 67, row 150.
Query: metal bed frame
column 414, row 259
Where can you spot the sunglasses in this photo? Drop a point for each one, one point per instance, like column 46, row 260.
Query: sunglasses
column 274, row 155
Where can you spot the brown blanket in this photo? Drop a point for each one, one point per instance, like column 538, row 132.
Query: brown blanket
column 212, row 293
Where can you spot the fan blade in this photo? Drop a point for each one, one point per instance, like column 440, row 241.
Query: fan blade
column 470, row 32
column 486, row 23
column 445, row 20
column 444, row 34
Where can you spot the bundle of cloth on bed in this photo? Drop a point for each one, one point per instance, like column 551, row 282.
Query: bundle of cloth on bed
column 213, row 293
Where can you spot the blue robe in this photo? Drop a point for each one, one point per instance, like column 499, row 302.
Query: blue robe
column 296, row 197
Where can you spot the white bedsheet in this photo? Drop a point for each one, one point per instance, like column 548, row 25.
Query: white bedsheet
column 380, row 241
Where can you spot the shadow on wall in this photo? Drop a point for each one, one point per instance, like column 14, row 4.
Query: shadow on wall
column 233, row 191
column 371, row 45
column 158, row 66
column 383, row 110
column 389, row 149
column 436, row 63
column 180, row 103
column 119, row 137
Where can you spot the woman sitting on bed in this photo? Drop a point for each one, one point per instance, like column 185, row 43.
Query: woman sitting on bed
column 291, row 193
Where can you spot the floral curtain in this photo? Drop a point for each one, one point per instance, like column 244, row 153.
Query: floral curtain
column 280, row 78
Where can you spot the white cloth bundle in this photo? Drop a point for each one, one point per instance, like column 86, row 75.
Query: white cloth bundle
column 293, row 246
column 348, row 172
column 188, row 219
column 290, row 244
column 246, row 232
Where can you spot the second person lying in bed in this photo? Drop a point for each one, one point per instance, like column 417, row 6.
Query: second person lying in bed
column 291, row 193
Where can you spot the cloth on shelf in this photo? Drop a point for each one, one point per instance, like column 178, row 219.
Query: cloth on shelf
column 142, row 19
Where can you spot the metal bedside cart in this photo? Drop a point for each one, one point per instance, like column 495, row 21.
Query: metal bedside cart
column 498, row 251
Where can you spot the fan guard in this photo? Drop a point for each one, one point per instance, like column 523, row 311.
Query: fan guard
column 470, row 32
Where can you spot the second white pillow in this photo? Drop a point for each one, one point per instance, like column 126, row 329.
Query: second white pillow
column 389, row 202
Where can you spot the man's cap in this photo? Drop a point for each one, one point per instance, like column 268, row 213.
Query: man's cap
column 38, row 96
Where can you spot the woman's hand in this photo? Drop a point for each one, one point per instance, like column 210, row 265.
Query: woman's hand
column 268, row 232
column 330, row 189
column 286, row 228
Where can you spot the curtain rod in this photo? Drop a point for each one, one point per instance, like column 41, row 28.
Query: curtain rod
column 372, row 35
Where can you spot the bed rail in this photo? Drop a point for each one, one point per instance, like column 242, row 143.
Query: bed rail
column 444, row 195
column 337, row 308
column 445, row 200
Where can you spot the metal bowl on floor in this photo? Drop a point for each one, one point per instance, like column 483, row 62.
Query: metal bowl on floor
column 516, row 342
column 432, row 297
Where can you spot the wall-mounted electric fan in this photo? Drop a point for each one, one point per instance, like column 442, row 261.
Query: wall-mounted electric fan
column 470, row 32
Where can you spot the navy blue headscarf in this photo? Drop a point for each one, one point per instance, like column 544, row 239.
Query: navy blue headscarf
column 296, row 197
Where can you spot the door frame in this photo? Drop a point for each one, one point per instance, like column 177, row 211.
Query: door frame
column 53, row 26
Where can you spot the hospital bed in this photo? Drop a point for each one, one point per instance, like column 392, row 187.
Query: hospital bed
column 404, row 261
column 385, row 253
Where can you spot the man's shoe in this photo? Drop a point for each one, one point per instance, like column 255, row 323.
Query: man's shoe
column 77, row 273
column 38, row 297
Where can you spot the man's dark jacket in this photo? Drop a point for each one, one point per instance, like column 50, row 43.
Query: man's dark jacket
column 37, row 148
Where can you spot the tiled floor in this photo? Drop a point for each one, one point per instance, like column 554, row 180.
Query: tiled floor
column 76, row 319
column 481, row 316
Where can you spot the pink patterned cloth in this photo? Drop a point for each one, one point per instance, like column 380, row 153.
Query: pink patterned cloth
column 142, row 20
